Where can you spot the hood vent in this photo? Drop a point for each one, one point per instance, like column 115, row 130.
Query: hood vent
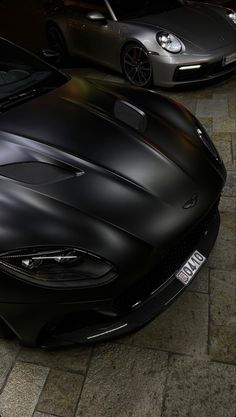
column 35, row 173
column 130, row 115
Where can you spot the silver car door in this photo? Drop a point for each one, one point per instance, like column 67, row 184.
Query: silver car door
column 76, row 21
column 97, row 40
column 102, row 41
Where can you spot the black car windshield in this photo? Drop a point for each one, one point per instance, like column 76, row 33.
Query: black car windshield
column 21, row 71
column 137, row 8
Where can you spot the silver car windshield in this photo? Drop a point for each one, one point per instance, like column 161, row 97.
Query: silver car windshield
column 137, row 8
column 20, row 70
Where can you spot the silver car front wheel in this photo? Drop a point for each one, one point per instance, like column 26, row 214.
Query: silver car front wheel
column 136, row 66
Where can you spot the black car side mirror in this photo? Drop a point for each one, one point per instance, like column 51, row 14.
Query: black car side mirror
column 96, row 17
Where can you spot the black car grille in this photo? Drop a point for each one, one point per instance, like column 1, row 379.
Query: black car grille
column 206, row 70
column 167, row 267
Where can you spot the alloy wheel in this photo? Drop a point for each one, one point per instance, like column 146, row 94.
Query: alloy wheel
column 137, row 67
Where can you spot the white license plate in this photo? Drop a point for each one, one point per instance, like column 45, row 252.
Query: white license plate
column 229, row 59
column 191, row 268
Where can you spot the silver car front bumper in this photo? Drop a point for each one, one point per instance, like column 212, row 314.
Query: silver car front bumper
column 167, row 72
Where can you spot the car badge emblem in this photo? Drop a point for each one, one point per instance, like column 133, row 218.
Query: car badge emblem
column 192, row 202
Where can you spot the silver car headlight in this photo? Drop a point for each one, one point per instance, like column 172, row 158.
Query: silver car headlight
column 169, row 42
column 58, row 267
column 232, row 16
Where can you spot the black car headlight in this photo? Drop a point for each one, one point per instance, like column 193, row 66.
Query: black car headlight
column 58, row 267
column 169, row 42
column 204, row 137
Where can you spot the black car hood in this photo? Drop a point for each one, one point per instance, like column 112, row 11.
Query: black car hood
column 203, row 26
column 124, row 171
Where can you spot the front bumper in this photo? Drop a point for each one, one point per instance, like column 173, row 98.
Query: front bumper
column 167, row 73
column 145, row 300
column 143, row 311
column 139, row 307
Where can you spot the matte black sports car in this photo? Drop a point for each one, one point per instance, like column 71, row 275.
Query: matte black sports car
column 166, row 43
column 108, row 203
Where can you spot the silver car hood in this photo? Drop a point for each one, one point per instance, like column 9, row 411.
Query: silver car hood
column 205, row 27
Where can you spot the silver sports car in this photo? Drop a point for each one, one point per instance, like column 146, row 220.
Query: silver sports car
column 163, row 43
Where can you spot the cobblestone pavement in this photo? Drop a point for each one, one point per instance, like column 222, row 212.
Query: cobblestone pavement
column 183, row 364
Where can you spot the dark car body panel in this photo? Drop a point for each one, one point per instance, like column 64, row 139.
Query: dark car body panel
column 111, row 190
column 122, row 163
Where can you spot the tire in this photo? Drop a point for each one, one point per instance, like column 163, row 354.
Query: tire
column 136, row 66
column 57, row 43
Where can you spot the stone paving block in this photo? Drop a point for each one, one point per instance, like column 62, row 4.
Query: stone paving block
column 227, row 204
column 207, row 122
column 22, row 390
column 219, row 136
column 224, row 148
column 224, row 95
column 74, row 359
column 60, row 394
column 234, row 151
column 223, row 298
column 223, row 255
column 224, row 143
column 37, row 414
column 226, row 86
column 182, row 328
column 222, row 343
column 228, row 227
column 198, row 388
column 200, row 93
column 189, row 103
column 124, row 381
column 212, row 108
column 230, row 96
column 200, row 283
column 229, row 189
column 8, row 353
column 224, row 124
column 232, row 105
